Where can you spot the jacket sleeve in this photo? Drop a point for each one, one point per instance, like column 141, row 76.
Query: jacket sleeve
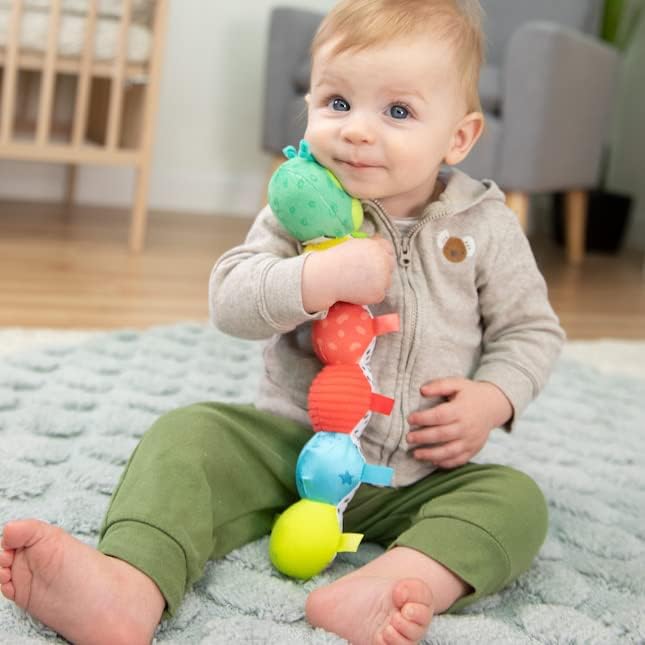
column 522, row 336
column 255, row 289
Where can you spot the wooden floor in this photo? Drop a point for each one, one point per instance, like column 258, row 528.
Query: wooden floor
column 73, row 270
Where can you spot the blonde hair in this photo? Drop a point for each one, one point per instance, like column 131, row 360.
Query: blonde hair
column 361, row 24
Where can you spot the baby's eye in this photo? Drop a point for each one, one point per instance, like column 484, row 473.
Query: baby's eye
column 399, row 112
column 339, row 104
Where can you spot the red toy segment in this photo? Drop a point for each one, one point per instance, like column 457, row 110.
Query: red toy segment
column 340, row 396
column 344, row 335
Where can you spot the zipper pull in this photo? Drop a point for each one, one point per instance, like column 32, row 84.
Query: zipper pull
column 405, row 259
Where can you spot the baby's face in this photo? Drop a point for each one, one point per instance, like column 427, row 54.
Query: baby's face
column 383, row 119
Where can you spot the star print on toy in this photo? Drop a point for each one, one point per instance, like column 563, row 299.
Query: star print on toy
column 346, row 478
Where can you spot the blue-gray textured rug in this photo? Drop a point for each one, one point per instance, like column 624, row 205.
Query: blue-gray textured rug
column 71, row 414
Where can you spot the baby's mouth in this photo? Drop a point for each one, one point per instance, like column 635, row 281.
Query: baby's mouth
column 357, row 164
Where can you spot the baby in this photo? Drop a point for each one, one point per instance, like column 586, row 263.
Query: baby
column 393, row 97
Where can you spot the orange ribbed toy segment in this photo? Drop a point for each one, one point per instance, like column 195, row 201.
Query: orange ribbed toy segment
column 340, row 396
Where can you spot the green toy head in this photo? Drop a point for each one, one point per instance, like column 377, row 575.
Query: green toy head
column 309, row 201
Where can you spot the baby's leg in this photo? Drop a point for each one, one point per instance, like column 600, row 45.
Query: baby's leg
column 461, row 534
column 202, row 481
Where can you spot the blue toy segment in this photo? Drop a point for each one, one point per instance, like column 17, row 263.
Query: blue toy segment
column 331, row 466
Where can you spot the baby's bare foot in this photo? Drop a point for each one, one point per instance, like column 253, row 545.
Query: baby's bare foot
column 373, row 611
column 79, row 592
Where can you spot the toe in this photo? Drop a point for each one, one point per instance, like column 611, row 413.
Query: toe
column 417, row 613
column 412, row 590
column 318, row 605
column 8, row 590
column 6, row 558
column 5, row 575
column 413, row 599
column 392, row 636
column 22, row 533
column 409, row 630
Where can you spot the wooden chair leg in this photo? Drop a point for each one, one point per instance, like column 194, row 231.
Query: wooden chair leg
column 575, row 215
column 140, row 208
column 519, row 203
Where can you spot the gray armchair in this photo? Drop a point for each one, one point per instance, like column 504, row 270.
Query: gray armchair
column 546, row 89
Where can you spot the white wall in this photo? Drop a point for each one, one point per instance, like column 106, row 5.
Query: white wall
column 207, row 154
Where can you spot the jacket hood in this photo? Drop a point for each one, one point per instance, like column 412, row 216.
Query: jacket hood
column 463, row 193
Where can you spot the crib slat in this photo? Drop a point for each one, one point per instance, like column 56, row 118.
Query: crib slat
column 139, row 212
column 116, row 91
column 49, row 76
column 10, row 74
column 84, row 77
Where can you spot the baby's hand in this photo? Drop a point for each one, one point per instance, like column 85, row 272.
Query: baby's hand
column 452, row 433
column 357, row 271
column 365, row 269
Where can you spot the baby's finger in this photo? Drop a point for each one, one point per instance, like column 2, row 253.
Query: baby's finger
column 460, row 460
column 442, row 453
column 435, row 435
column 443, row 387
column 442, row 414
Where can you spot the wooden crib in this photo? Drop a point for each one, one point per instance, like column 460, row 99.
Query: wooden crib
column 85, row 105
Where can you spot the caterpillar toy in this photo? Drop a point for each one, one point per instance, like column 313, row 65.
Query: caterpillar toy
column 311, row 204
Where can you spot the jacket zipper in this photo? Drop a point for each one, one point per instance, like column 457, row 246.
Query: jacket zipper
column 406, row 261
column 402, row 244
column 404, row 253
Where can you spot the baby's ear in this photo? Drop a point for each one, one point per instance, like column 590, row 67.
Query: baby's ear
column 466, row 134
column 307, row 98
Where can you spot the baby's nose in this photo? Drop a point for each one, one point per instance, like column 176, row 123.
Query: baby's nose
column 358, row 129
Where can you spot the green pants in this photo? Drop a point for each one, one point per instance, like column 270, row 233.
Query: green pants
column 209, row 478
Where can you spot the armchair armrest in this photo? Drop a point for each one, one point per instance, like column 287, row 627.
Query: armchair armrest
column 290, row 35
column 558, row 87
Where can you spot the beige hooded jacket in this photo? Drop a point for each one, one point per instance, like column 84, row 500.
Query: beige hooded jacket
column 471, row 300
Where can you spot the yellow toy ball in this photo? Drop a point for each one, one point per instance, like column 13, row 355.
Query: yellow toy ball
column 306, row 538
